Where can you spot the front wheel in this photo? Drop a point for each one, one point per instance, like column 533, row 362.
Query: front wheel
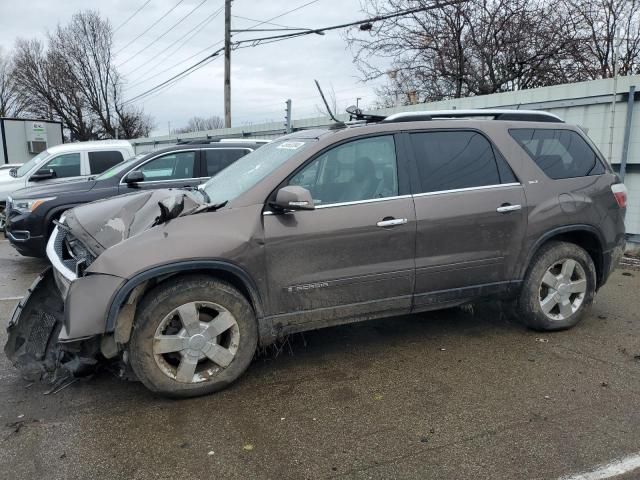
column 559, row 287
column 193, row 335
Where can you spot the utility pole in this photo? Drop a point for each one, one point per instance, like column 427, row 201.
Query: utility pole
column 227, row 63
column 287, row 118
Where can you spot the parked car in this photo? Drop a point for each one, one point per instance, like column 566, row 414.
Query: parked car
column 65, row 162
column 416, row 212
column 32, row 211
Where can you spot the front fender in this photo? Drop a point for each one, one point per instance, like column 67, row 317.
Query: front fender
column 121, row 295
column 87, row 305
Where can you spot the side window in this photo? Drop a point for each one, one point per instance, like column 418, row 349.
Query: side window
column 67, row 165
column 452, row 160
column 559, row 153
column 359, row 170
column 174, row 166
column 101, row 161
column 217, row 159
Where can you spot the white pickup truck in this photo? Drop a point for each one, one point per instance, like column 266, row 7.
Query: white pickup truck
column 66, row 162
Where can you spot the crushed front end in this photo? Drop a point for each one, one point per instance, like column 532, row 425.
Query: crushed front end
column 59, row 327
column 38, row 343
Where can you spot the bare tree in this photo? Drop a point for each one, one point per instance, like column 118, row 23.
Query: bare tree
column 198, row 124
column 73, row 78
column 477, row 47
column 605, row 29
column 11, row 103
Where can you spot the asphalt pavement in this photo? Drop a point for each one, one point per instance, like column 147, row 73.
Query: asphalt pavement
column 465, row 393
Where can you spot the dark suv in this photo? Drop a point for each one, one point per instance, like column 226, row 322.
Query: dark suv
column 31, row 212
column 412, row 213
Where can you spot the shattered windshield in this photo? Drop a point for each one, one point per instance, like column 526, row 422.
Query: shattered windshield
column 240, row 176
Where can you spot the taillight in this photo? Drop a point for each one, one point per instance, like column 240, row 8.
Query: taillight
column 620, row 192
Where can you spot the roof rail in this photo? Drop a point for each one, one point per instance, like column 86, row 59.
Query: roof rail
column 494, row 114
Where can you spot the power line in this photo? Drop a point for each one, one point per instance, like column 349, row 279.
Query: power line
column 164, row 33
column 133, row 15
column 176, row 64
column 284, row 13
column 268, row 21
column 151, row 26
column 261, row 22
column 179, row 76
column 186, row 37
column 257, row 41
column 285, row 36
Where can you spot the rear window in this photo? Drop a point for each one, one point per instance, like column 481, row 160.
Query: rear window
column 101, row 161
column 217, row 159
column 559, row 153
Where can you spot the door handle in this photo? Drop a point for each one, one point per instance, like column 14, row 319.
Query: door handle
column 391, row 222
column 506, row 208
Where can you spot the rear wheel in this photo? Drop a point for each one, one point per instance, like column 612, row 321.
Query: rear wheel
column 558, row 288
column 193, row 335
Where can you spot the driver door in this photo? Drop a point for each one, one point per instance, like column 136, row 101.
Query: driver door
column 66, row 166
column 353, row 256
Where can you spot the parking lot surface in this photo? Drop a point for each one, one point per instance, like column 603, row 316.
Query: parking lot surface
column 457, row 394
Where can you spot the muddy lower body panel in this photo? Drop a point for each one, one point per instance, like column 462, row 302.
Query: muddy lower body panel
column 33, row 331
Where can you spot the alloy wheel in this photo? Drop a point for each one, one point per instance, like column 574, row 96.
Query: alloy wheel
column 563, row 289
column 195, row 341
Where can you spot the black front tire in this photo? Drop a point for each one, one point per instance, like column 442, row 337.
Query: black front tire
column 162, row 300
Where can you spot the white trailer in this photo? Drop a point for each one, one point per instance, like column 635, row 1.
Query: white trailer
column 22, row 139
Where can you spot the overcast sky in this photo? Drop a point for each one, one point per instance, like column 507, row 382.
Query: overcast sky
column 262, row 77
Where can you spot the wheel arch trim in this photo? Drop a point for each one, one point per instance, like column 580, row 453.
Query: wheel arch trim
column 548, row 235
column 122, row 294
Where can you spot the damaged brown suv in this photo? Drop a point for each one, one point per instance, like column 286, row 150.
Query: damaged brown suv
column 381, row 217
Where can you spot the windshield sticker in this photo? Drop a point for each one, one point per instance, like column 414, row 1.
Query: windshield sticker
column 290, row 145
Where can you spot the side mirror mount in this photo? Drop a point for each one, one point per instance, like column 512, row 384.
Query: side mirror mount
column 354, row 111
column 43, row 174
column 134, row 177
column 293, row 198
column 13, row 172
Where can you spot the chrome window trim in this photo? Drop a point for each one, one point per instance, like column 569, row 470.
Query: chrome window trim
column 439, row 192
column 468, row 189
column 360, row 202
column 188, row 179
column 355, row 202
column 229, row 148
column 55, row 261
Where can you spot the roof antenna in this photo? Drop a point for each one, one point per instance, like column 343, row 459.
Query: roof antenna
column 327, row 105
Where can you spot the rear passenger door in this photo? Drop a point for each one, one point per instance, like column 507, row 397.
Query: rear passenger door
column 470, row 216
column 177, row 169
column 215, row 160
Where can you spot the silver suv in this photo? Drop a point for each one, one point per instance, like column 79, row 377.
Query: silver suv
column 391, row 216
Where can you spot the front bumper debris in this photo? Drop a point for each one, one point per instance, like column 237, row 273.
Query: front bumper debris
column 33, row 331
column 34, row 327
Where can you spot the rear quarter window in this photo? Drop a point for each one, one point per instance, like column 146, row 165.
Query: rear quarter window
column 102, row 161
column 559, row 153
column 217, row 159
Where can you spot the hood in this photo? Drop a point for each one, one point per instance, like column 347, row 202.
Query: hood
column 55, row 188
column 102, row 224
column 9, row 184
